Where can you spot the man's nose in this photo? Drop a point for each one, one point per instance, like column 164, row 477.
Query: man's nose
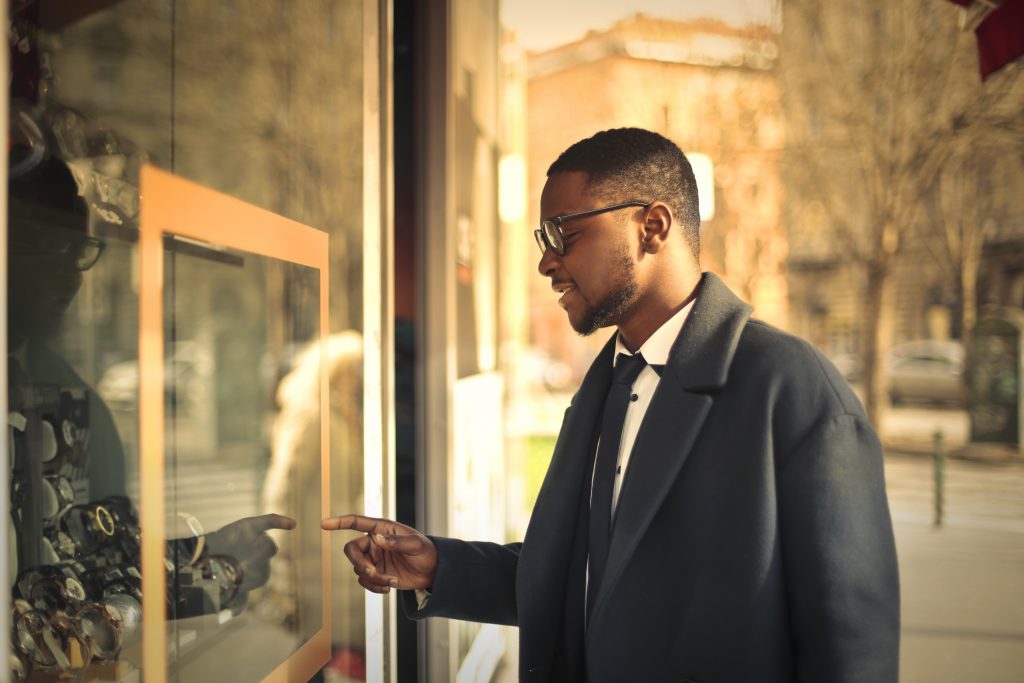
column 548, row 262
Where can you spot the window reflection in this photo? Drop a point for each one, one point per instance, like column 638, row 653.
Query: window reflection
column 77, row 591
column 97, row 91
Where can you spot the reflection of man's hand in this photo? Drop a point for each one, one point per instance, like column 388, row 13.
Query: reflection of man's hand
column 247, row 543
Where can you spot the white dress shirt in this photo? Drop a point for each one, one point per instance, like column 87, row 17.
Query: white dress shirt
column 655, row 352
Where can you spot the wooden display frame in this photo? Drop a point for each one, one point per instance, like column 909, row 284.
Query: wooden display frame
column 171, row 205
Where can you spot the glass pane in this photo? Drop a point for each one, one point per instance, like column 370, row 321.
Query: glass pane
column 259, row 100
column 89, row 105
column 73, row 433
column 269, row 109
column 242, row 459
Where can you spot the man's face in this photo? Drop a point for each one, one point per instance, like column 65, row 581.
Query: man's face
column 597, row 275
column 41, row 285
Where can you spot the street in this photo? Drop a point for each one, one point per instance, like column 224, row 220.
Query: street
column 962, row 597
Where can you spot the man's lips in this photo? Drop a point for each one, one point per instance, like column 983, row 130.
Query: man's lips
column 565, row 289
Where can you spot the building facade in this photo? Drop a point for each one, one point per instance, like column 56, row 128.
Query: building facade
column 709, row 87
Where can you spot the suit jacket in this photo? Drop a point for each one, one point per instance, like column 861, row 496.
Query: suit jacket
column 752, row 539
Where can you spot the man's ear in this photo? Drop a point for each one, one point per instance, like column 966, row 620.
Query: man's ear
column 657, row 227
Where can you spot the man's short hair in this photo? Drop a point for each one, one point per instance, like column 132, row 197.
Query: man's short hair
column 624, row 164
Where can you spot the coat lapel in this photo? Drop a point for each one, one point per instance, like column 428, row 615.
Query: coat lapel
column 545, row 554
column 698, row 364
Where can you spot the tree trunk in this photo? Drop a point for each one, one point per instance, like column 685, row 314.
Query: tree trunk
column 877, row 339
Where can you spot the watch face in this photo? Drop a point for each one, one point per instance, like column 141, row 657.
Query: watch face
column 104, row 521
column 69, row 432
column 63, row 544
column 74, row 589
column 65, row 491
column 26, row 641
column 33, row 632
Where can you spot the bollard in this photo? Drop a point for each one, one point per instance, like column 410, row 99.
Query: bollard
column 940, row 477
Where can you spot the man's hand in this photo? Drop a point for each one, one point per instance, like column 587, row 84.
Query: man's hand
column 248, row 544
column 390, row 555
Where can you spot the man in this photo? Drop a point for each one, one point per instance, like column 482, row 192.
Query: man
column 736, row 530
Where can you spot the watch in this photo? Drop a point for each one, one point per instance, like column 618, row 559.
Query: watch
column 57, row 586
column 88, row 526
column 61, row 543
column 103, row 521
column 100, row 625
column 228, row 574
column 29, row 627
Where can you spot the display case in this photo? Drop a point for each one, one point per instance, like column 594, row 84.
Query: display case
column 222, row 572
column 173, row 359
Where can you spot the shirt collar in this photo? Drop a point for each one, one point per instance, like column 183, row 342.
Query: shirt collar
column 657, row 346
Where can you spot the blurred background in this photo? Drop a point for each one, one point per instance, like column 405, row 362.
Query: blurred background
column 861, row 172
column 860, row 168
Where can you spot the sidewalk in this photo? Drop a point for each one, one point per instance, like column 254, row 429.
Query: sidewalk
column 962, row 604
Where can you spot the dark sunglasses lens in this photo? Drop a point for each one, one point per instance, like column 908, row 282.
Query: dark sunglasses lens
column 554, row 237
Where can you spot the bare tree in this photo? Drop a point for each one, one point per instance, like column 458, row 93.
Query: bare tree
column 880, row 96
column 969, row 201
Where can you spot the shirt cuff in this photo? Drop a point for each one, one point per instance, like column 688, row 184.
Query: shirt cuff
column 422, row 598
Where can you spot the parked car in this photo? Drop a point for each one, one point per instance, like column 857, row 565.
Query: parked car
column 926, row 370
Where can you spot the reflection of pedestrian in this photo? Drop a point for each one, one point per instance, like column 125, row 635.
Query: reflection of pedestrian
column 295, row 472
column 715, row 507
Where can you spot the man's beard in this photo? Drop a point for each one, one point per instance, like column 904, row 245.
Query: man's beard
column 610, row 309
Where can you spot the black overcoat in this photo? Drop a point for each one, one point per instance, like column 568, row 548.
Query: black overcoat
column 752, row 539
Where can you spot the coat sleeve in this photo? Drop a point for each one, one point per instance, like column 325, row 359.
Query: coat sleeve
column 839, row 556
column 475, row 581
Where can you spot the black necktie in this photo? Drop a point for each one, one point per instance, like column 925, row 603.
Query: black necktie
column 626, row 370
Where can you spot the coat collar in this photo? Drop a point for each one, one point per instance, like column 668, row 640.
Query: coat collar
column 703, row 352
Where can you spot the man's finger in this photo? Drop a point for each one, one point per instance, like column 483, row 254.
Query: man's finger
column 357, row 553
column 362, row 563
column 374, row 588
column 408, row 544
column 355, row 522
column 271, row 521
